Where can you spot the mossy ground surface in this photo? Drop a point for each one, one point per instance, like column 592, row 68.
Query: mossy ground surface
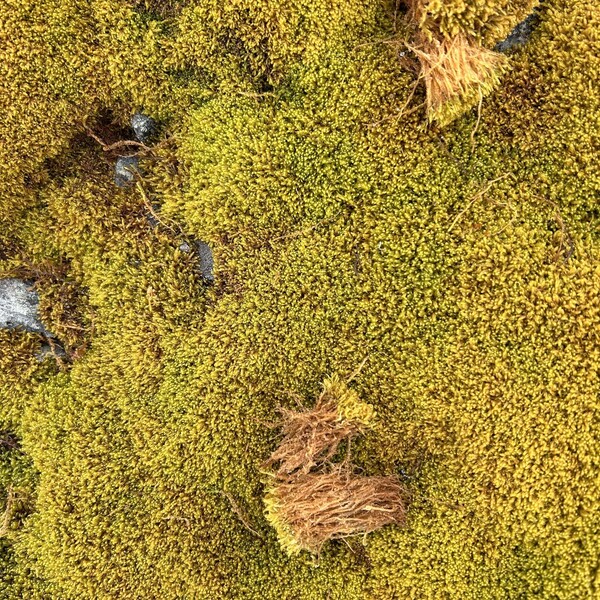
column 463, row 263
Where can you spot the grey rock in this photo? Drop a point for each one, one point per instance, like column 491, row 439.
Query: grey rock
column 46, row 351
column 206, row 261
column 19, row 304
column 125, row 170
column 520, row 35
column 144, row 127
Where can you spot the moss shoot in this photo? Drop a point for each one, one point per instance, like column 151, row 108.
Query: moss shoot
column 456, row 259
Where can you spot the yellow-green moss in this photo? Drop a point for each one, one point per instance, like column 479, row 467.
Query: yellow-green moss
column 285, row 536
column 464, row 264
column 349, row 405
column 488, row 20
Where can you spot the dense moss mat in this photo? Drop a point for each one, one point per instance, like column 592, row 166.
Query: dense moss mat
column 462, row 263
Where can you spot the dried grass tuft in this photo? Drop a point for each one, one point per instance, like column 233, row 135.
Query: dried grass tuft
column 311, row 437
column 310, row 501
column 457, row 72
column 316, row 507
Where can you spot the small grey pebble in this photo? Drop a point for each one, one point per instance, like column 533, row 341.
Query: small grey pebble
column 19, row 304
column 144, row 127
column 520, row 35
column 207, row 262
column 125, row 170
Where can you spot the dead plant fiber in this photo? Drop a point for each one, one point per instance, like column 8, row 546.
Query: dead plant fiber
column 309, row 500
column 317, row 507
column 456, row 69
column 312, row 437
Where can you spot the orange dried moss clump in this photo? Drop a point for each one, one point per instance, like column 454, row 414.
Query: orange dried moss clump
column 457, row 69
column 313, row 436
column 314, row 508
column 458, row 72
column 308, row 508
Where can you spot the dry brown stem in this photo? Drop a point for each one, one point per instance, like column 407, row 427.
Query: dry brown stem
column 565, row 244
column 240, row 513
column 8, row 512
column 318, row 507
column 475, row 198
column 455, row 69
column 116, row 145
column 417, row 11
column 311, row 437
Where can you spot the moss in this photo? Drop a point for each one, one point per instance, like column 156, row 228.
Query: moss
column 285, row 535
column 489, row 21
column 462, row 263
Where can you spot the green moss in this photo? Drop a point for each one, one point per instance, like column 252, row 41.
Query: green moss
column 285, row 535
column 462, row 264
column 490, row 21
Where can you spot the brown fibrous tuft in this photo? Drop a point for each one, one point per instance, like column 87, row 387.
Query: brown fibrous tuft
column 317, row 507
column 312, row 437
column 457, row 73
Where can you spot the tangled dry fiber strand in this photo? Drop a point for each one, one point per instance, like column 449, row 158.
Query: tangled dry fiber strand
column 313, row 508
column 457, row 73
column 308, row 508
column 313, row 436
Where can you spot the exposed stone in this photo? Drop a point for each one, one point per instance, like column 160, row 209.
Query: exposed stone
column 144, row 127
column 207, row 262
column 205, row 258
column 125, row 170
column 47, row 351
column 19, row 304
column 520, row 35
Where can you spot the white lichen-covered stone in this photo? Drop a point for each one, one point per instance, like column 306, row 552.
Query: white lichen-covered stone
column 19, row 304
